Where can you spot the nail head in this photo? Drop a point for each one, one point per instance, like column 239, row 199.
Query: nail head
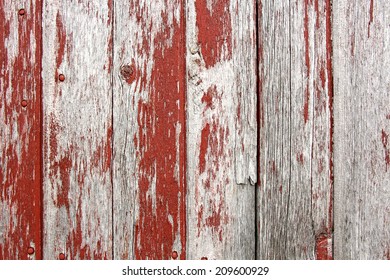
column 22, row 12
column 24, row 103
column 174, row 255
column 30, row 250
column 203, row 258
column 61, row 256
column 61, row 77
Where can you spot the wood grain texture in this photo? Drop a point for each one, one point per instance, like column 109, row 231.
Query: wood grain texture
column 77, row 129
column 362, row 128
column 294, row 195
column 20, row 129
column 221, row 129
column 149, row 122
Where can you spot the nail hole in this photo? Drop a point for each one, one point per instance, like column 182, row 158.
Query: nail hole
column 30, row 250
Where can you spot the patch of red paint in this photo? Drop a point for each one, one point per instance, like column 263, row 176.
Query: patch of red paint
column 158, row 119
column 214, row 30
column 371, row 16
column 324, row 247
column 111, row 37
column 307, row 62
column 388, row 117
column 300, row 158
column 208, row 96
column 203, row 147
column 61, row 37
column 385, row 141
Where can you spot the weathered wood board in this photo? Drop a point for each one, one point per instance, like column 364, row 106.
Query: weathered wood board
column 20, row 130
column 362, row 127
column 294, row 196
column 221, row 129
column 77, row 128
column 149, row 123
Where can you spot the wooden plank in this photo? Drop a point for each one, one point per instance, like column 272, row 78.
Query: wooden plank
column 77, row 129
column 221, row 129
column 20, row 128
column 362, row 129
column 149, row 123
column 295, row 104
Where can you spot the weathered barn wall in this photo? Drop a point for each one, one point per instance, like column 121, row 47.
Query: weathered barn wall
column 194, row 129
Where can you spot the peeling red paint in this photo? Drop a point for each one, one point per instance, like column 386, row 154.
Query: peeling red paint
column 307, row 62
column 61, row 37
column 324, row 247
column 158, row 119
column 214, row 30
column 371, row 16
column 21, row 181
column 385, row 141
column 203, row 147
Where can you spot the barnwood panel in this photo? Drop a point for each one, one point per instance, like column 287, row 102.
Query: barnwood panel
column 77, row 129
column 294, row 194
column 221, row 129
column 149, row 125
column 20, row 130
column 362, row 128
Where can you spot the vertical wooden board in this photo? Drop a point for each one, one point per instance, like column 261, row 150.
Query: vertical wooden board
column 295, row 143
column 20, row 129
column 77, row 129
column 362, row 128
column 149, row 122
column 221, row 129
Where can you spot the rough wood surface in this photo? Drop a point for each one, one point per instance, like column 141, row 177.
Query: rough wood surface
column 221, row 129
column 149, row 139
column 20, row 130
column 294, row 195
column 362, row 128
column 77, row 129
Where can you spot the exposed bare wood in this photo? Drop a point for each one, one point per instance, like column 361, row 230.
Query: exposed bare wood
column 221, row 129
column 362, row 128
column 20, row 130
column 295, row 100
column 77, row 119
column 149, row 138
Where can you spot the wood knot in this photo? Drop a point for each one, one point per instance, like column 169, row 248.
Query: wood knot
column 127, row 72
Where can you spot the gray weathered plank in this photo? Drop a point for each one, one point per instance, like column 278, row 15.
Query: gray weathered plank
column 221, row 129
column 149, row 139
column 362, row 128
column 77, row 129
column 295, row 168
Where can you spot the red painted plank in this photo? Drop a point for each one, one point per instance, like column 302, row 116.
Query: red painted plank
column 20, row 130
column 149, row 122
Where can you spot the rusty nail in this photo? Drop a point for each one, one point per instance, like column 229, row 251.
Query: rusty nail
column 24, row 103
column 174, row 255
column 22, row 12
column 203, row 258
column 61, row 77
column 30, row 250
column 61, row 256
